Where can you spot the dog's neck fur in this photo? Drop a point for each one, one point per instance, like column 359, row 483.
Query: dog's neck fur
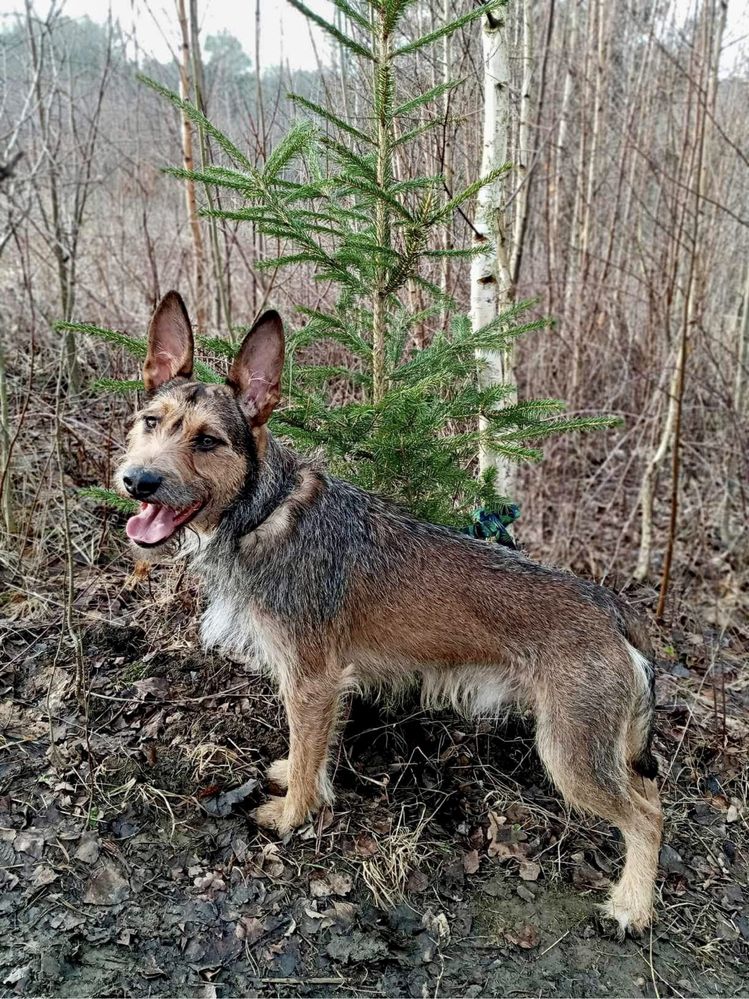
column 271, row 477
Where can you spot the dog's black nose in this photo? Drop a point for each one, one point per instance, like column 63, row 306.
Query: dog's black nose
column 141, row 483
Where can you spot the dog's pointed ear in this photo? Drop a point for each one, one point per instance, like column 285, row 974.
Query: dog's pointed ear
column 170, row 343
column 255, row 374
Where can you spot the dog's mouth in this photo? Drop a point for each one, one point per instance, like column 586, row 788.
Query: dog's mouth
column 156, row 523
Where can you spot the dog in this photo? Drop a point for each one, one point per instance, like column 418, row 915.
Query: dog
column 335, row 589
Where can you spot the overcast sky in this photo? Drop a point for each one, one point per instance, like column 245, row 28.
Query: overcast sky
column 285, row 34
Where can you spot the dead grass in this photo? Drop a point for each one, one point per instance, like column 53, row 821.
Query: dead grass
column 387, row 871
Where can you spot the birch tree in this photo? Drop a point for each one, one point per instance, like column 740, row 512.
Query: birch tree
column 499, row 228
column 185, row 87
column 490, row 277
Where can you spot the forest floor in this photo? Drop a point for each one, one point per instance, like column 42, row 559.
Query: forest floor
column 449, row 867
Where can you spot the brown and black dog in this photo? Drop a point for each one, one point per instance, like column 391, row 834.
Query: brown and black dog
column 332, row 589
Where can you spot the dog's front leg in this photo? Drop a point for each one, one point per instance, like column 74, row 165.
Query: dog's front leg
column 310, row 692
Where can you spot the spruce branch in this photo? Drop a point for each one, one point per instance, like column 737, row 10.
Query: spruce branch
column 332, row 119
column 107, row 497
column 198, row 118
column 447, row 29
column 331, row 29
column 134, row 345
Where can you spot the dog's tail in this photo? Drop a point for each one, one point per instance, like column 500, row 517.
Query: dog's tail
column 642, row 719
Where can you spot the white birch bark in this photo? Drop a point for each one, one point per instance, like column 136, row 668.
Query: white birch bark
column 188, row 162
column 491, row 278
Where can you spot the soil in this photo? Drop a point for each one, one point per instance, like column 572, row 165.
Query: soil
column 130, row 865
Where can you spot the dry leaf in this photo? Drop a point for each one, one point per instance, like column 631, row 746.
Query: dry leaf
column 340, row 884
column 319, row 888
column 223, row 803
column 30, row 842
column 530, row 870
column 267, row 863
column 250, row 929
column 88, row 849
column 526, row 936
column 417, row 881
column 366, row 845
column 43, row 875
column 106, row 887
column 437, row 926
column 344, row 913
column 471, row 862
column 156, row 686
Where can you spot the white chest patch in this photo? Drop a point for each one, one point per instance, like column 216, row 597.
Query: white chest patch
column 234, row 626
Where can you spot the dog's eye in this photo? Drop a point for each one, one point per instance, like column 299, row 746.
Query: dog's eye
column 204, row 442
column 150, row 422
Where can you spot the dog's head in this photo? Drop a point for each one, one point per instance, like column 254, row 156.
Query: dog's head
column 194, row 445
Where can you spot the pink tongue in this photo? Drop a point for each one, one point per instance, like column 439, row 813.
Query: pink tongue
column 154, row 523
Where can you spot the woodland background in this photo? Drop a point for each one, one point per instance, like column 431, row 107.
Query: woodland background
column 632, row 181
column 628, row 218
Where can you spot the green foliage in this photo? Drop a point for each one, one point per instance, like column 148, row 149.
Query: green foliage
column 406, row 418
column 107, row 497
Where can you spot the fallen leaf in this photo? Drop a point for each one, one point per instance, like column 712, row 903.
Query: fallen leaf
column 222, row 804
column 471, row 862
column 345, row 913
column 504, row 839
column 8, row 856
column 250, row 929
column 417, row 882
column 340, row 884
column 150, row 969
column 156, row 686
column 30, row 842
column 153, row 726
column 366, row 845
column 437, row 926
column 267, row 863
column 530, row 870
column 17, row 975
column 526, row 936
column 43, row 875
column 106, row 887
column 319, row 888
column 88, row 849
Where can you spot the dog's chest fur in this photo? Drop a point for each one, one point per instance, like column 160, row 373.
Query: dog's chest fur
column 237, row 619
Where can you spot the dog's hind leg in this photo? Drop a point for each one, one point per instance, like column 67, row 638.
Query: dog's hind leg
column 641, row 822
column 310, row 691
column 589, row 765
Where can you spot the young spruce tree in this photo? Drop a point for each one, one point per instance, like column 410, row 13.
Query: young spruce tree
column 407, row 424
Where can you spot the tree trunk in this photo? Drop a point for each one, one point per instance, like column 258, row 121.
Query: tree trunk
column 704, row 79
column 384, row 166
column 6, row 502
column 492, row 286
column 732, row 487
column 188, row 162
column 219, row 270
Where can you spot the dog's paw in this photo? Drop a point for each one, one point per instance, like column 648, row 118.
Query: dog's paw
column 278, row 773
column 281, row 815
column 271, row 815
column 629, row 919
